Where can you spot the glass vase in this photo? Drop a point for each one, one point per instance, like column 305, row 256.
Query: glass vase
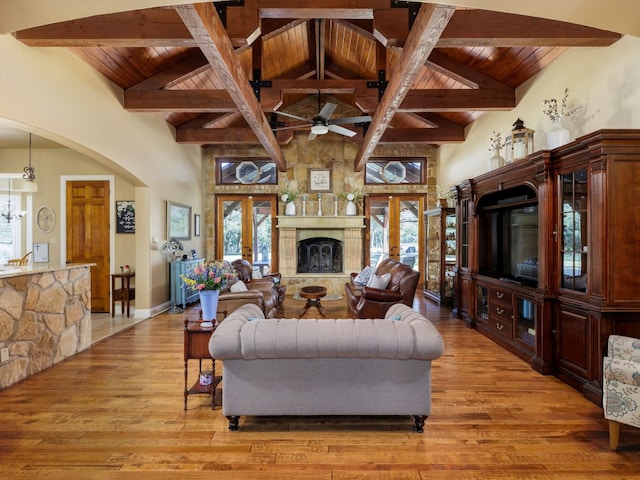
column 558, row 136
column 290, row 209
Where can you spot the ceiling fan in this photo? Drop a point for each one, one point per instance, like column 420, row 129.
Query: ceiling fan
column 322, row 124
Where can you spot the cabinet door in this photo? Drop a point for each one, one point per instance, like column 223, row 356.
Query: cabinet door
column 525, row 321
column 574, row 230
column 572, row 345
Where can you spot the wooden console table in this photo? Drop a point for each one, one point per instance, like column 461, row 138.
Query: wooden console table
column 123, row 294
column 196, row 346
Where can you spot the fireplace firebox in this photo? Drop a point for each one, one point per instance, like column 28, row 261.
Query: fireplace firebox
column 320, row 255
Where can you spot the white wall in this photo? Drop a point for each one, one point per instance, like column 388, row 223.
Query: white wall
column 603, row 80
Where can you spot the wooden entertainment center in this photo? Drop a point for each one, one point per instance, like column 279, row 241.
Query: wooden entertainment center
column 548, row 261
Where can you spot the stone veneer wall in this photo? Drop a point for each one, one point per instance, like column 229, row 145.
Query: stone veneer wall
column 45, row 317
column 330, row 151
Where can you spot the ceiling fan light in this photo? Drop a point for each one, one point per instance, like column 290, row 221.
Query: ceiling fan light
column 319, row 129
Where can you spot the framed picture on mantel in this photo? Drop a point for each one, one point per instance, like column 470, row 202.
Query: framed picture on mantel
column 320, row 180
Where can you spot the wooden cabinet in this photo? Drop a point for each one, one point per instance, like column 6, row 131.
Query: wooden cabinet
column 183, row 293
column 550, row 270
column 440, row 257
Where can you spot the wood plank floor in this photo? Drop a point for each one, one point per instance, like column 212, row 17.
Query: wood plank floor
column 116, row 411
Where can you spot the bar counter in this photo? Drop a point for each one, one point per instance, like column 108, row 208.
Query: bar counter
column 45, row 317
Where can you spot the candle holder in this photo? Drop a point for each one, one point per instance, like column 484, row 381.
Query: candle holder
column 304, row 205
column 335, row 205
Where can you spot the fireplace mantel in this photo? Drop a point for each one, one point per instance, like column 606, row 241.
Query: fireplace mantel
column 325, row 222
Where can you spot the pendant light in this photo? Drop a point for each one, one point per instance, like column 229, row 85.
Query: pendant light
column 29, row 176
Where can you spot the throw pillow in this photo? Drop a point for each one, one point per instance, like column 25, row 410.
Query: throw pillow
column 396, row 318
column 364, row 276
column 239, row 286
column 256, row 274
column 253, row 319
column 379, row 281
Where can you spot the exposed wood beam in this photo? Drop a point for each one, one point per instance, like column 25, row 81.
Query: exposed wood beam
column 205, row 26
column 321, row 12
column 320, row 47
column 462, row 73
column 178, row 101
column 427, row 28
column 205, row 120
column 423, row 135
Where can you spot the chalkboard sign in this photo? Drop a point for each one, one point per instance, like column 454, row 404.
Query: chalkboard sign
column 125, row 216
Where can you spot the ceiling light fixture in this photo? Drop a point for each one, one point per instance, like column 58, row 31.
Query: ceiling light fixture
column 29, row 176
column 319, row 128
column 8, row 213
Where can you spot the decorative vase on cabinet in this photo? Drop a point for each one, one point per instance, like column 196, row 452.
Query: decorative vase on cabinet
column 496, row 161
column 558, row 136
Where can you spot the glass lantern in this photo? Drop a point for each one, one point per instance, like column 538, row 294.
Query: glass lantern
column 520, row 143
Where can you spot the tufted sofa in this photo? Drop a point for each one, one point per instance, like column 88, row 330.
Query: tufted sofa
column 326, row 367
column 621, row 385
column 369, row 302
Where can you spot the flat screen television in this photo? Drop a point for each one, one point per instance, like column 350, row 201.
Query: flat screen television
column 508, row 235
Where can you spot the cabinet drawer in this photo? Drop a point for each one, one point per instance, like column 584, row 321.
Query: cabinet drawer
column 501, row 312
column 499, row 295
column 502, row 326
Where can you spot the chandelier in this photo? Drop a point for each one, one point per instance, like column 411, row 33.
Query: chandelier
column 8, row 211
column 29, row 175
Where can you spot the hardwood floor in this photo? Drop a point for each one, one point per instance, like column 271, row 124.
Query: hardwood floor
column 116, row 411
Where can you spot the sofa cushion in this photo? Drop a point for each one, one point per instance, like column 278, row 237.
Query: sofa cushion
column 414, row 337
column 364, row 276
column 379, row 281
column 238, row 286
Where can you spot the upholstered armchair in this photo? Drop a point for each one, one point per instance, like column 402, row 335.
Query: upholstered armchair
column 244, row 270
column 258, row 293
column 621, row 385
column 371, row 302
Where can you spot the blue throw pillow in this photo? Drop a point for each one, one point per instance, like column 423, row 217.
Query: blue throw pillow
column 364, row 276
column 396, row 318
column 253, row 319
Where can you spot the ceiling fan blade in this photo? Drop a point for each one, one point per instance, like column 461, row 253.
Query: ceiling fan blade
column 342, row 131
column 311, row 136
column 342, row 121
column 326, row 111
column 294, row 116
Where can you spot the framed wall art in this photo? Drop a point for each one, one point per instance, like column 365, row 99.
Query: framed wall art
column 125, row 216
column 178, row 221
column 320, row 180
column 196, row 225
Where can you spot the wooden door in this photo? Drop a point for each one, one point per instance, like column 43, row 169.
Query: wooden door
column 246, row 229
column 395, row 230
column 88, row 235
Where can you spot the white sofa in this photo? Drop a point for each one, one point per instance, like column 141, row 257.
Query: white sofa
column 294, row 366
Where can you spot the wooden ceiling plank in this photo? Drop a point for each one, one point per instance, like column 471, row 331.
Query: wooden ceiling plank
column 171, row 76
column 243, row 24
column 427, row 28
column 364, row 28
column 272, row 27
column 204, row 120
column 207, row 29
column 138, row 28
column 319, row 12
column 470, row 77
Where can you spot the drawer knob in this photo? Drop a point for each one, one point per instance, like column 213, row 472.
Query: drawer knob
column 499, row 326
column 499, row 310
column 499, row 294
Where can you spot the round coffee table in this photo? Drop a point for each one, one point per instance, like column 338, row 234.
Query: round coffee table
column 313, row 294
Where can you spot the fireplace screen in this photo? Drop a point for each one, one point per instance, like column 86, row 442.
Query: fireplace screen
column 320, row 255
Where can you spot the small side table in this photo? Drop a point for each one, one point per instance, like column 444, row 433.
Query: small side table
column 313, row 294
column 123, row 294
column 196, row 346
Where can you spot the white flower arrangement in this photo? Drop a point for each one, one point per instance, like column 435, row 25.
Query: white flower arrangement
column 495, row 142
column 552, row 108
column 288, row 196
column 354, row 196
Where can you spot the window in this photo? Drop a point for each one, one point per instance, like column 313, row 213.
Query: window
column 395, row 171
column 246, row 171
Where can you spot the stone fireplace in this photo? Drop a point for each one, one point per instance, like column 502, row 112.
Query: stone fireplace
column 322, row 240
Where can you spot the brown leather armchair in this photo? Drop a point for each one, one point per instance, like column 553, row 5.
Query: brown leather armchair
column 369, row 302
column 261, row 294
column 244, row 270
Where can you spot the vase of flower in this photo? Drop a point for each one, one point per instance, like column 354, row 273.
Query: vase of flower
column 558, row 135
column 209, row 306
column 496, row 161
column 352, row 209
column 290, row 208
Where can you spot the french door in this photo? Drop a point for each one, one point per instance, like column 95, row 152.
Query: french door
column 395, row 229
column 245, row 228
